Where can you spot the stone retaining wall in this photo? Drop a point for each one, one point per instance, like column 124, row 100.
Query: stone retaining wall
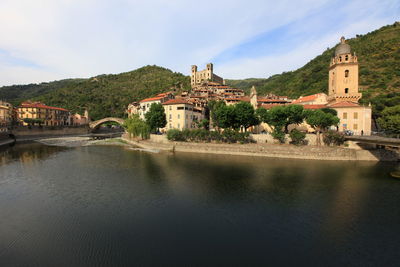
column 266, row 150
column 25, row 132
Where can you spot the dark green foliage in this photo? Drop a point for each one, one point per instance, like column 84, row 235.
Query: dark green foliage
column 279, row 135
column 378, row 56
column 282, row 116
column 245, row 115
column 136, row 127
column 241, row 115
column 297, row 137
column 333, row 138
column 175, row 135
column 156, row 117
column 104, row 95
column 320, row 121
column 330, row 110
column 390, row 120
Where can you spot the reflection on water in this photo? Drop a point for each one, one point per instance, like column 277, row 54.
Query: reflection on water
column 108, row 206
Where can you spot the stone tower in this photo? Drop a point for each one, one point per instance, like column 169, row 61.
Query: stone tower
column 253, row 97
column 343, row 75
column 204, row 76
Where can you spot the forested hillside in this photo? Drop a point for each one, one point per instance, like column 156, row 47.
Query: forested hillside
column 379, row 60
column 104, row 95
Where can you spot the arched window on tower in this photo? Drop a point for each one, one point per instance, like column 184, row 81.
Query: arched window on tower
column 347, row 57
column 340, row 59
column 346, row 90
column 346, row 73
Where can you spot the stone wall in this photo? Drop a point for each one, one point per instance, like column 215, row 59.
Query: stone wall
column 25, row 132
column 159, row 142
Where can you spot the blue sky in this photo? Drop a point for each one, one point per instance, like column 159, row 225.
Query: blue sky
column 45, row 40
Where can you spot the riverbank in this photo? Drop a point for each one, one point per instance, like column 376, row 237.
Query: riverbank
column 267, row 150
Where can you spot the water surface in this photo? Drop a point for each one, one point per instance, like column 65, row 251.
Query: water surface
column 111, row 206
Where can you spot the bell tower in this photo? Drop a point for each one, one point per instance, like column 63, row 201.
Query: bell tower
column 343, row 75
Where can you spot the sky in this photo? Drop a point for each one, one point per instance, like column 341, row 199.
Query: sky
column 46, row 40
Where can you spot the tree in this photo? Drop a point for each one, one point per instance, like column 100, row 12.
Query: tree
column 294, row 115
column 390, row 119
column 244, row 115
column 262, row 114
column 136, row 127
column 320, row 121
column 156, row 117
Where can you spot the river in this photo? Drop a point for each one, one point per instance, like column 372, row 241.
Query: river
column 113, row 206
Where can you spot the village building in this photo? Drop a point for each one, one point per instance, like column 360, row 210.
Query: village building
column 6, row 114
column 182, row 114
column 47, row 115
column 79, row 120
column 144, row 105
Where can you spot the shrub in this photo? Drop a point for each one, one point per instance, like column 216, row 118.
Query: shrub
column 175, row 135
column 279, row 135
column 333, row 138
column 297, row 137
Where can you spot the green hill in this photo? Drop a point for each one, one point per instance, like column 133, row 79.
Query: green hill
column 104, row 95
column 379, row 60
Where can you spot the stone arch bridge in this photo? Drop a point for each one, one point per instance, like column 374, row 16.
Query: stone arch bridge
column 95, row 124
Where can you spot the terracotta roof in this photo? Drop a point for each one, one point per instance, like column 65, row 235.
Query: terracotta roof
column 345, row 104
column 306, row 98
column 152, row 99
column 314, row 106
column 40, row 105
column 177, row 101
column 270, row 100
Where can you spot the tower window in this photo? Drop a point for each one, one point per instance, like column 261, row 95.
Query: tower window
column 347, row 58
column 346, row 90
column 340, row 59
column 346, row 73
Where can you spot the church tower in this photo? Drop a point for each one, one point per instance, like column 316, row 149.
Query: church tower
column 343, row 75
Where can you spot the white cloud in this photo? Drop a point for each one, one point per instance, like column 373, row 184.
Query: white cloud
column 82, row 38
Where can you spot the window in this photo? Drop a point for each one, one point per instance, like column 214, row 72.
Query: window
column 179, row 126
column 170, row 107
column 340, row 59
column 347, row 57
column 355, row 127
column 355, row 115
column 346, row 90
column 346, row 73
column 170, row 116
column 344, row 115
column 179, row 116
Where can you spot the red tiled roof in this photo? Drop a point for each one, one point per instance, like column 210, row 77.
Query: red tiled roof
column 40, row 105
column 306, row 98
column 314, row 106
column 177, row 101
column 270, row 100
column 152, row 99
column 345, row 104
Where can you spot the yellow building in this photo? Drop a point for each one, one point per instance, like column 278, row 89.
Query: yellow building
column 6, row 114
column 49, row 116
column 181, row 114
column 344, row 92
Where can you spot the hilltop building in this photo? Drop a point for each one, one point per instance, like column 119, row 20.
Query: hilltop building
column 49, row 116
column 207, row 75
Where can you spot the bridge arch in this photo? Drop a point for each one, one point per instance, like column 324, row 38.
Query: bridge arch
column 95, row 124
